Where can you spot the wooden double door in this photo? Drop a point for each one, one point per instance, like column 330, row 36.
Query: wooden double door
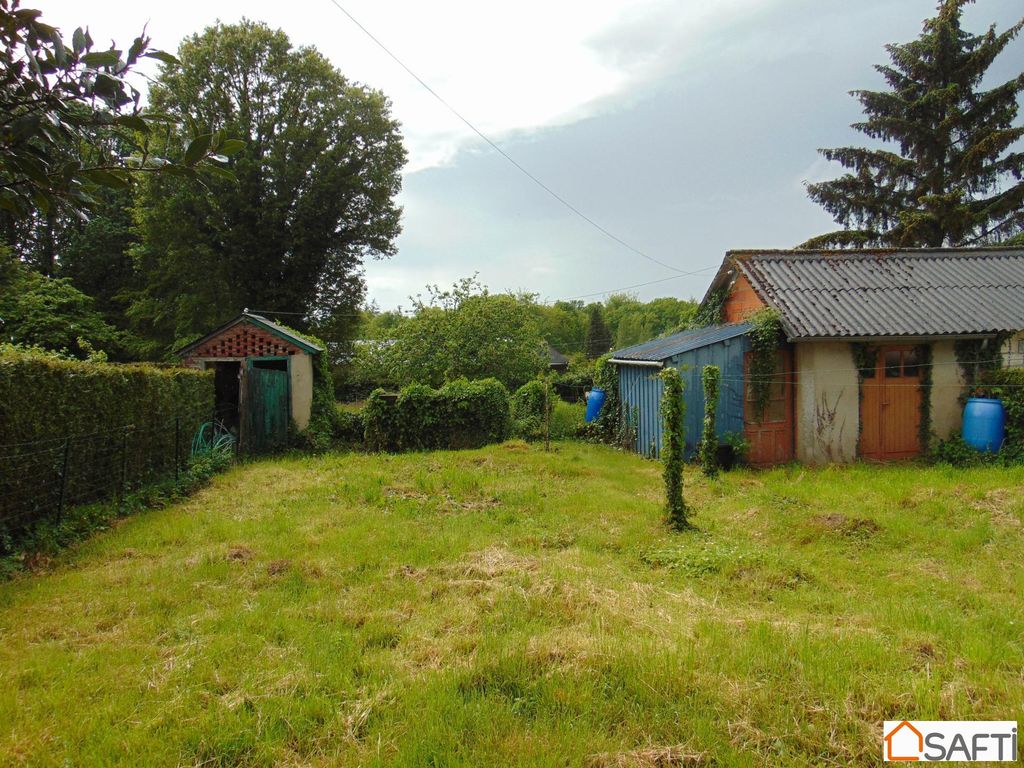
column 890, row 406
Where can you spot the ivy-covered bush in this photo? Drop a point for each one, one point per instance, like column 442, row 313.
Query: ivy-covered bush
column 528, row 409
column 707, row 451
column 92, row 422
column 1007, row 385
column 673, row 416
column 461, row 414
column 613, row 426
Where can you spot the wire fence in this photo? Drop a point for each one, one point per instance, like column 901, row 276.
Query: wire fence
column 42, row 479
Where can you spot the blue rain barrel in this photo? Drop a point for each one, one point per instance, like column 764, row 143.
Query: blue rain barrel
column 984, row 424
column 594, row 402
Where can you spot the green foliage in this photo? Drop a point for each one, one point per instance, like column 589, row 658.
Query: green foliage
column 466, row 333
column 531, row 408
column 61, row 96
column 49, row 313
column 612, row 426
column 948, row 177
column 1007, row 385
column 599, row 337
column 924, row 423
column 47, row 536
column 567, row 420
column 978, row 356
column 711, row 377
column 710, row 312
column 673, row 446
column 631, row 321
column 766, row 338
column 461, row 414
column 314, row 193
column 49, row 399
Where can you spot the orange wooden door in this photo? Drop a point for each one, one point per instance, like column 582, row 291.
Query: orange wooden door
column 891, row 406
column 771, row 435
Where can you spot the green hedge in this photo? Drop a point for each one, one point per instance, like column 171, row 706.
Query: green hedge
column 461, row 414
column 48, row 403
column 527, row 408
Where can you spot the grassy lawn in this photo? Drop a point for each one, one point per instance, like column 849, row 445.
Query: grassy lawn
column 511, row 607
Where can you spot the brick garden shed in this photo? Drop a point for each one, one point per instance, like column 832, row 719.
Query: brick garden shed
column 263, row 377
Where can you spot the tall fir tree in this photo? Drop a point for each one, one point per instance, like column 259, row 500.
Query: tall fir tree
column 599, row 337
column 956, row 179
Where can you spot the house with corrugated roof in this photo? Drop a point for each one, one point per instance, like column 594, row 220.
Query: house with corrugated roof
column 875, row 352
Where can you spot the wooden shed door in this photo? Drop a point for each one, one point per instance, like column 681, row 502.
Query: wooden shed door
column 267, row 406
column 771, row 436
column 891, row 406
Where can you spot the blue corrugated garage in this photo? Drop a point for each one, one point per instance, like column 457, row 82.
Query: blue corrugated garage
column 689, row 351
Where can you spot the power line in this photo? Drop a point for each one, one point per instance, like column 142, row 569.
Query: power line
column 499, row 150
column 640, row 285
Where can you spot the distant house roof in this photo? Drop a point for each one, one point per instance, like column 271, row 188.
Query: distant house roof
column 657, row 350
column 262, row 322
column 919, row 292
column 556, row 358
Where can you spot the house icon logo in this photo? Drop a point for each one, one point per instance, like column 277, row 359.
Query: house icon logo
column 904, row 743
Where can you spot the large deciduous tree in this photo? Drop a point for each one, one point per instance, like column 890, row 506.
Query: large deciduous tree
column 316, row 183
column 949, row 175
column 71, row 122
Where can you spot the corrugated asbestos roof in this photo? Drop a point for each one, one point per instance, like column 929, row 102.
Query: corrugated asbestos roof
column 891, row 293
column 657, row 350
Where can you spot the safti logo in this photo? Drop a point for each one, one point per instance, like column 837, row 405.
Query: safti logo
column 950, row 741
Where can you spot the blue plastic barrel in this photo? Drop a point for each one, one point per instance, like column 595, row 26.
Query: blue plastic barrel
column 984, row 424
column 595, row 399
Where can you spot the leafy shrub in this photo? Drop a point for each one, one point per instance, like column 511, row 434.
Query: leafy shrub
column 707, row 450
column 567, row 420
column 527, row 405
column 673, row 416
column 956, row 452
column 461, row 414
column 1007, row 385
column 350, row 427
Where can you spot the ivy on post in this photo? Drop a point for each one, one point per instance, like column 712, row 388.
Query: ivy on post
column 766, row 338
column 711, row 377
column 673, row 411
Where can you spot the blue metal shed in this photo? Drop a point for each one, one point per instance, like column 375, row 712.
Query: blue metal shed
column 689, row 351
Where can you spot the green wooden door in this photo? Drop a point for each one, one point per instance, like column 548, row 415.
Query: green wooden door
column 268, row 409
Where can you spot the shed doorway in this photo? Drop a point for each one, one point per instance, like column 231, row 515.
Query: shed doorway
column 890, row 406
column 226, row 383
column 771, row 435
column 267, row 404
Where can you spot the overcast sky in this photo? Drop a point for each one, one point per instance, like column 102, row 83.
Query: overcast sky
column 685, row 128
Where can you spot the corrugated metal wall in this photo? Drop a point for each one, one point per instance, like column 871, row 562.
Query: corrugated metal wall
column 640, row 390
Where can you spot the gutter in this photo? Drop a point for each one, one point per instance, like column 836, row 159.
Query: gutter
column 645, row 363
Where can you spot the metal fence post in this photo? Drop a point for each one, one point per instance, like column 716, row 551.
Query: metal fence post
column 177, row 447
column 63, row 480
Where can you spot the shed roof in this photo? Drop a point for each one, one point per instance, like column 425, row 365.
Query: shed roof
column 555, row 357
column 262, row 322
column 665, row 347
column 919, row 292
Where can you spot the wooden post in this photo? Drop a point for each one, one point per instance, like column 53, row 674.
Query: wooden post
column 63, row 479
column 177, row 447
column 124, row 462
column 547, row 415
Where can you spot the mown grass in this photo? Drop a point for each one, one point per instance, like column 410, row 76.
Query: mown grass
column 511, row 607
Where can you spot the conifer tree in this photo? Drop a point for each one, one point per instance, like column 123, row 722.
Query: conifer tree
column 599, row 337
column 953, row 177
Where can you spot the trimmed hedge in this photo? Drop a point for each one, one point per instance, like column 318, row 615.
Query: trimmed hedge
column 461, row 414
column 47, row 402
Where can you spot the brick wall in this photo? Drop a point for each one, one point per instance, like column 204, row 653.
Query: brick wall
column 242, row 340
